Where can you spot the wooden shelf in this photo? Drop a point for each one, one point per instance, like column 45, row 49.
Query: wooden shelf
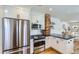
column 47, row 24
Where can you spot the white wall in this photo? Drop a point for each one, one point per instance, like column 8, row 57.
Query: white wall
column 40, row 16
column 58, row 27
column 37, row 16
column 1, row 15
column 13, row 11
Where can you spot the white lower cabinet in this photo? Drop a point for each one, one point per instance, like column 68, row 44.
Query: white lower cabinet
column 70, row 46
column 62, row 45
column 47, row 42
column 54, row 42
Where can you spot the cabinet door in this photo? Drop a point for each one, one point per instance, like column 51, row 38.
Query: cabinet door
column 62, row 46
column 50, row 41
column 54, row 43
column 70, row 46
column 47, row 42
column 66, row 46
column 58, row 44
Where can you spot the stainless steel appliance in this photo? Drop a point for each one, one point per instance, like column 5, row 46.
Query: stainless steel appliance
column 16, row 36
column 38, row 43
column 36, row 26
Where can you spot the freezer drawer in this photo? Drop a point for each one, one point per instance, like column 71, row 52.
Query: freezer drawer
column 24, row 50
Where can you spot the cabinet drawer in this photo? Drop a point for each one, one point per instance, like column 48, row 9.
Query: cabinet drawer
column 47, row 43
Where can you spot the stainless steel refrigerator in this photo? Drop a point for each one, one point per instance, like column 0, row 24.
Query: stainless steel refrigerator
column 16, row 36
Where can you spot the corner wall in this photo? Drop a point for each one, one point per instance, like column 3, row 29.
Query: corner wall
column 1, row 15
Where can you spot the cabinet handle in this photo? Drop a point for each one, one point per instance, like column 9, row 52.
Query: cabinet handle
column 68, row 42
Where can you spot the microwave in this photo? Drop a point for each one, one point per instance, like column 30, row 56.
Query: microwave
column 36, row 26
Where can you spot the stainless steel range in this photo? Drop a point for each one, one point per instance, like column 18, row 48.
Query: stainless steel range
column 38, row 43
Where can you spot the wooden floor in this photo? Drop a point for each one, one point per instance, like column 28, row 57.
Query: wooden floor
column 76, row 48
column 49, row 51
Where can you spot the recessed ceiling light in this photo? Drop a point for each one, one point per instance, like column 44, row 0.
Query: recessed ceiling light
column 50, row 9
column 6, row 11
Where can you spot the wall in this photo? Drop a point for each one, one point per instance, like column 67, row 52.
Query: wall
column 58, row 27
column 37, row 16
column 1, row 15
column 13, row 11
column 68, row 17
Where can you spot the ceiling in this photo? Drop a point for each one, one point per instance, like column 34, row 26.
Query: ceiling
column 63, row 12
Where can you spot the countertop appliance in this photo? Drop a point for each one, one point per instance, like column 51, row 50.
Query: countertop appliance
column 36, row 26
column 16, row 36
